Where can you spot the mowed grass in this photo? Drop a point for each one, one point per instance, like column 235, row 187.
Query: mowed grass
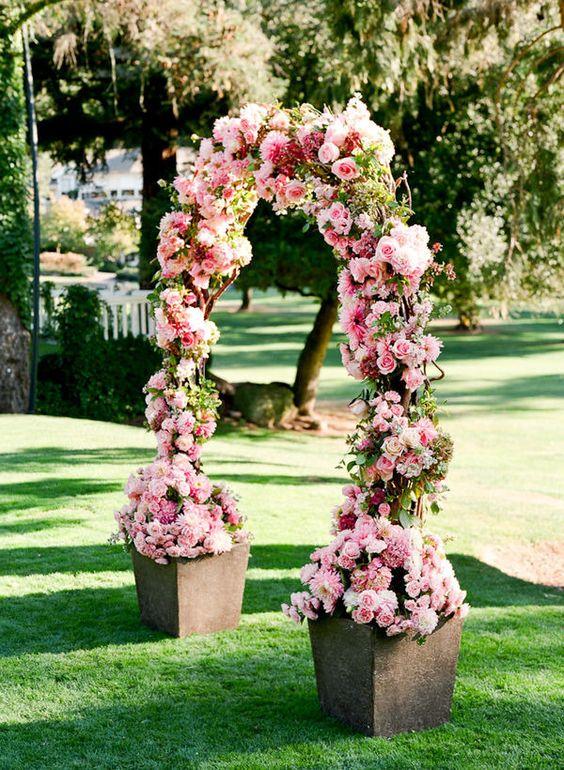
column 83, row 684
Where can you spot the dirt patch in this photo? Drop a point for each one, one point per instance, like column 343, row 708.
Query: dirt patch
column 331, row 419
column 541, row 563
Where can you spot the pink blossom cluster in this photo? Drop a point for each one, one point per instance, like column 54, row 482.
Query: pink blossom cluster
column 174, row 511
column 392, row 443
column 380, row 568
column 356, row 574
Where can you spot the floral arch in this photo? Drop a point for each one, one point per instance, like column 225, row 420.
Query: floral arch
column 381, row 566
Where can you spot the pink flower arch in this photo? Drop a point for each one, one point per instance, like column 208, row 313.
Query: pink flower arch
column 381, row 567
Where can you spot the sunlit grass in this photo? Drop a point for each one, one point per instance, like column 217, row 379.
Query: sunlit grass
column 83, row 684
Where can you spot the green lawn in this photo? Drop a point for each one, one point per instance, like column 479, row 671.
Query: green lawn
column 83, row 684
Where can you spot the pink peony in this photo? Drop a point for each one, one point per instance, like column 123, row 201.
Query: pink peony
column 326, row 585
column 413, row 378
column 273, row 145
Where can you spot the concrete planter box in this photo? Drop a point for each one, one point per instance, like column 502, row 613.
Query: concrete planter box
column 384, row 685
column 192, row 596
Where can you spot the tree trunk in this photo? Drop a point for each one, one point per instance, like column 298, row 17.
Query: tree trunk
column 468, row 312
column 158, row 151
column 312, row 356
column 14, row 360
column 468, row 323
column 246, row 298
column 15, row 231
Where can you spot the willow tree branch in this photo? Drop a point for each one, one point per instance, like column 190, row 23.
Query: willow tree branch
column 28, row 13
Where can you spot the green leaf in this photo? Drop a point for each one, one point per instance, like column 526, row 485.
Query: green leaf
column 407, row 519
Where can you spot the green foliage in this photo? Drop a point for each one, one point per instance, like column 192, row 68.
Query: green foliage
column 92, row 377
column 64, row 226
column 105, row 237
column 170, row 69
column 113, row 234
column 470, row 91
column 46, row 294
column 287, row 256
column 15, row 233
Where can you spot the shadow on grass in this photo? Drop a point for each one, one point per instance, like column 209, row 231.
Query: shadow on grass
column 26, row 526
column 250, row 702
column 280, row 556
column 509, row 393
column 74, row 559
column 267, row 478
column 50, row 458
column 90, row 617
column 490, row 587
column 35, row 494
column 503, row 340
column 70, row 620
column 486, row 586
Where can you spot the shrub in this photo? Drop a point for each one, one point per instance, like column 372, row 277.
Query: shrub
column 92, row 377
column 114, row 235
column 46, row 292
column 68, row 263
column 64, row 225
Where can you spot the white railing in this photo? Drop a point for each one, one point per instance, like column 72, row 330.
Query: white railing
column 123, row 313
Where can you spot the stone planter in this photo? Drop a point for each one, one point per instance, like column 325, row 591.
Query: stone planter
column 384, row 685
column 192, row 596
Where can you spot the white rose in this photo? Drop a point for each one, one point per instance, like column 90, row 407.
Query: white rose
column 359, row 408
column 393, row 446
column 350, row 598
column 410, row 438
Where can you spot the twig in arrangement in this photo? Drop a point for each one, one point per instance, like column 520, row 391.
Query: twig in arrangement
column 440, row 376
column 214, row 297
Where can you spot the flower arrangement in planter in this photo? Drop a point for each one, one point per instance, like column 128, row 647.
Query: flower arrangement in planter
column 382, row 571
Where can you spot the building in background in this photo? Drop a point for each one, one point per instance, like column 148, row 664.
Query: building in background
column 119, row 180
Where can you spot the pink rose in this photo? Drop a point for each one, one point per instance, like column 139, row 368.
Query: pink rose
column 336, row 133
column 362, row 615
column 384, row 509
column 393, row 446
column 331, row 237
column 295, row 190
column 328, row 152
column 351, row 549
column 386, row 363
column 360, row 268
column 387, row 248
column 402, row 348
column 413, row 588
column 345, row 168
column 427, row 431
column 385, row 467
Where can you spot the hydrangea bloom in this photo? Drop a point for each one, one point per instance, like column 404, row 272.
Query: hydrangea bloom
column 381, row 567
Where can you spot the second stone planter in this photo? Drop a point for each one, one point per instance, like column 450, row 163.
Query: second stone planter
column 192, row 596
column 384, row 685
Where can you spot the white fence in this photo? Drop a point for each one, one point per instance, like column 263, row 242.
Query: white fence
column 123, row 313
